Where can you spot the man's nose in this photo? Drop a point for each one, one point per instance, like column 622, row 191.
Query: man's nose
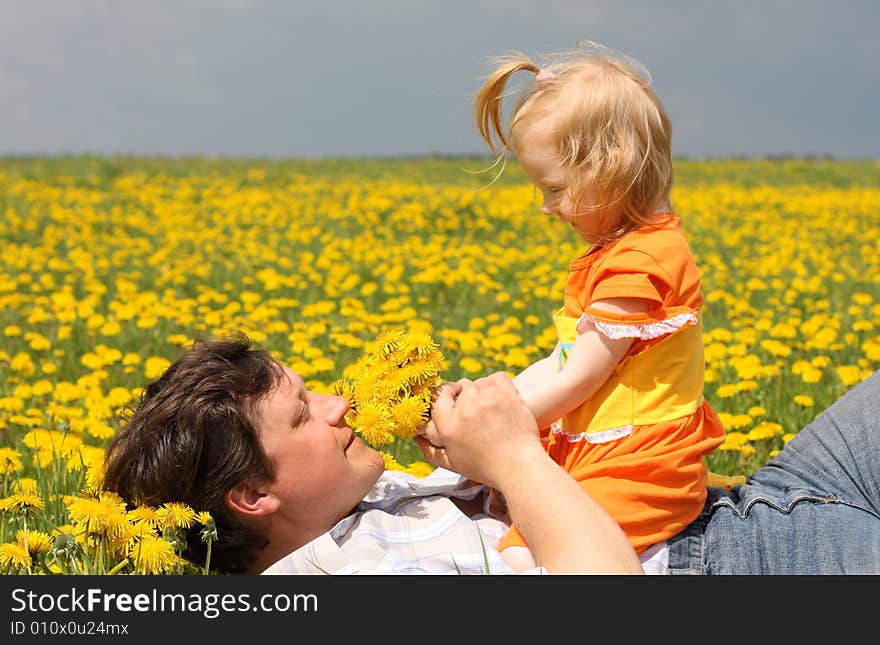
column 336, row 409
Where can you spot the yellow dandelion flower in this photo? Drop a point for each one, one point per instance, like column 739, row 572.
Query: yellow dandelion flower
column 757, row 411
column 410, row 413
column 175, row 515
column 776, row 348
column 209, row 527
column 391, row 463
column 849, row 375
column 94, row 479
column 375, row 423
column 10, row 461
column 733, row 441
column 420, row 468
column 90, row 515
column 739, row 421
column 144, row 514
column 152, row 555
column 22, row 502
column 155, row 366
column 726, row 391
column 804, row 400
column 12, row 554
column 125, row 534
column 37, row 541
column 26, row 485
column 471, row 365
column 764, row 430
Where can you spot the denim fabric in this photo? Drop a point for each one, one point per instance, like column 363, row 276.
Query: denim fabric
column 814, row 509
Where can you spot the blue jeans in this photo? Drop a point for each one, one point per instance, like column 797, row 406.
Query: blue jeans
column 814, row 509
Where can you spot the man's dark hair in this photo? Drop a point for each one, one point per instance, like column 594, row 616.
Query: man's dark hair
column 193, row 437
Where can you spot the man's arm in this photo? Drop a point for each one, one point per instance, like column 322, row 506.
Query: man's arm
column 483, row 430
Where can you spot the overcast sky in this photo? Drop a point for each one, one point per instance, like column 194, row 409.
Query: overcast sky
column 317, row 78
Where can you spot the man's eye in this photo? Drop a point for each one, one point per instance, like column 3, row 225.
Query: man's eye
column 303, row 416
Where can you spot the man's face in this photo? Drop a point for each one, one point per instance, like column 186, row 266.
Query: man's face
column 322, row 469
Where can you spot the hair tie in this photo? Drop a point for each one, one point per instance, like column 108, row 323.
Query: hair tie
column 544, row 75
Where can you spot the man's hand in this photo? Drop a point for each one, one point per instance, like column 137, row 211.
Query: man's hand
column 480, row 429
column 483, row 430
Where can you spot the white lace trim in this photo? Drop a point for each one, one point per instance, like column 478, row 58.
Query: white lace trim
column 601, row 436
column 644, row 331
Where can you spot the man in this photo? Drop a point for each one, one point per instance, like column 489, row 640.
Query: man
column 228, row 430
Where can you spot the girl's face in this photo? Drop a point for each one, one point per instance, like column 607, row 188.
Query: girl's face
column 537, row 157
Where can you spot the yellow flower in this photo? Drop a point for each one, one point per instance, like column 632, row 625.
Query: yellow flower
column 26, row 485
column 726, row 391
column 811, row 374
column 374, row 422
column 734, row 441
column 849, row 374
column 144, row 514
column 37, row 541
column 764, row 430
column 152, row 555
column 22, row 502
column 155, row 366
column 410, row 413
column 804, row 400
column 420, row 468
column 175, row 515
column 209, row 527
column 102, row 515
column 390, row 462
column 10, row 461
column 12, row 554
column 391, row 384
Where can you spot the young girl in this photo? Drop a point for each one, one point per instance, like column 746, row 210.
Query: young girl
column 621, row 396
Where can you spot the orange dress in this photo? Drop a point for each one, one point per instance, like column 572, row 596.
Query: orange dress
column 637, row 445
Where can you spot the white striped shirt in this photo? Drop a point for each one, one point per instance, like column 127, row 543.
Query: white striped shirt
column 410, row 525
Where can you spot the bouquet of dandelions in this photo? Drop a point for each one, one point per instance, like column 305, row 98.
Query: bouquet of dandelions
column 391, row 386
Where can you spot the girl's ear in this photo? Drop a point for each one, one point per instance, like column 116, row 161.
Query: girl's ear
column 252, row 501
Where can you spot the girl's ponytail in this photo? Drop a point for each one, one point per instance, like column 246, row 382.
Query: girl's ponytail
column 487, row 104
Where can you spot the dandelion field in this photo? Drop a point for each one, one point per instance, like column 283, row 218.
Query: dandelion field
column 110, row 266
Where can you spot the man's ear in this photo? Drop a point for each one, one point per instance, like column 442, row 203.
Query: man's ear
column 252, row 501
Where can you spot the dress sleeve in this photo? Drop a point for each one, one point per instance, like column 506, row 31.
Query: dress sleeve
column 633, row 273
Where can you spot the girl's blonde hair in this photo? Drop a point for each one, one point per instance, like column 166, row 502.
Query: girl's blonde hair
column 611, row 132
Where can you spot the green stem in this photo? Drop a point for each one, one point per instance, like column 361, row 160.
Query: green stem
column 25, row 534
column 118, row 567
column 207, row 558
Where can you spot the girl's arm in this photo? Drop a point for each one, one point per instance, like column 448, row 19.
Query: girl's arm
column 591, row 360
column 483, row 431
column 538, row 371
